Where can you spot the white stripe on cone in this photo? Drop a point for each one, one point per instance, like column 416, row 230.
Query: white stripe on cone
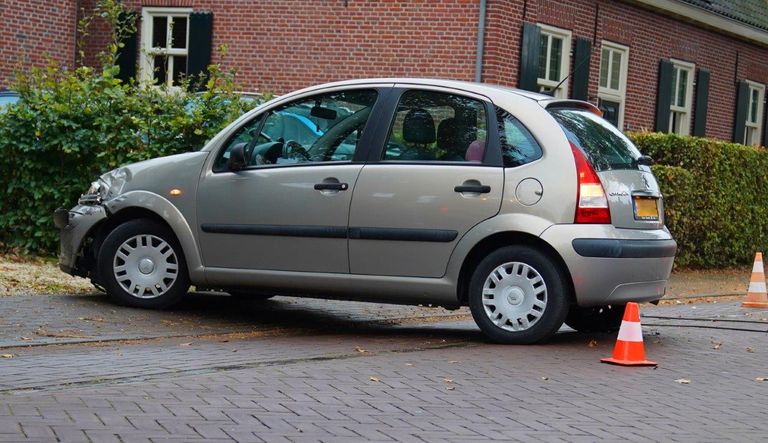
column 631, row 331
column 756, row 286
column 757, row 267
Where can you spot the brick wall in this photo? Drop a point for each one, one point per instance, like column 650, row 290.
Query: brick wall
column 32, row 31
column 281, row 45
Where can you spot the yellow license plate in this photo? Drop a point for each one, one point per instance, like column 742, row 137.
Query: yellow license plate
column 646, row 208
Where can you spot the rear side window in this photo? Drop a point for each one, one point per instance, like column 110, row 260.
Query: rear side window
column 605, row 146
column 518, row 146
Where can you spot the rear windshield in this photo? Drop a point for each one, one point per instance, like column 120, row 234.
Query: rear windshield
column 605, row 146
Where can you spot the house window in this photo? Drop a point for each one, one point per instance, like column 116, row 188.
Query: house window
column 612, row 89
column 754, row 123
column 164, row 43
column 682, row 93
column 554, row 59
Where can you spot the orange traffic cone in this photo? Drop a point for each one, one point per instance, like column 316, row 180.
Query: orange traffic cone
column 629, row 350
column 757, row 297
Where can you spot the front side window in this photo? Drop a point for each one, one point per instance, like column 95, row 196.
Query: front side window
column 164, row 43
column 554, row 59
column 682, row 96
column 322, row 128
column 754, row 123
column 437, row 126
column 612, row 87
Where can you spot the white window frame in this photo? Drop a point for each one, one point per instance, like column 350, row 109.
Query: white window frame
column 148, row 53
column 607, row 93
column 684, row 112
column 565, row 59
column 753, row 131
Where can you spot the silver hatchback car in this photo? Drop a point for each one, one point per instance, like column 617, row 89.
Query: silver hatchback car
column 533, row 211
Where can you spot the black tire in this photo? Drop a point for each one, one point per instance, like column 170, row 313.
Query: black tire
column 250, row 295
column 153, row 235
column 596, row 319
column 550, row 317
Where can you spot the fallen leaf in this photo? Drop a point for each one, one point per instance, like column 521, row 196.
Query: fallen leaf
column 453, row 361
column 748, row 349
column 450, row 388
column 716, row 344
column 234, row 350
column 409, row 364
column 592, row 343
column 545, row 378
column 360, row 350
column 683, row 381
column 25, row 338
column 7, row 356
column 448, row 380
column 185, row 344
column 761, row 379
column 372, row 378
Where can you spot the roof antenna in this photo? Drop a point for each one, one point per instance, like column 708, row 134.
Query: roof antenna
column 552, row 91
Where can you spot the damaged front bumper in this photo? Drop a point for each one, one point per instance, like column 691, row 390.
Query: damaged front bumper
column 75, row 225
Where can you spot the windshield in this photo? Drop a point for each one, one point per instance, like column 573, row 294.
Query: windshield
column 605, row 146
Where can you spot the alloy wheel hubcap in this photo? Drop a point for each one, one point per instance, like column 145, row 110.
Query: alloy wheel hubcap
column 145, row 266
column 514, row 296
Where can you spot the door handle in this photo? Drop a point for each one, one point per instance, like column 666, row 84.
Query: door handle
column 477, row 189
column 331, row 186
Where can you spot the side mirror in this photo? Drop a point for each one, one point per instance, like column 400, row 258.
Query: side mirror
column 236, row 161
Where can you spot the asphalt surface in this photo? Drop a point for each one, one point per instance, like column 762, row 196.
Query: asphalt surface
column 76, row 368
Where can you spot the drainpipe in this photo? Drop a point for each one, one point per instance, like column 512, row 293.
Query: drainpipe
column 480, row 42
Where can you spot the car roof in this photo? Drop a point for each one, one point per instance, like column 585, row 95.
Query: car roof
column 487, row 89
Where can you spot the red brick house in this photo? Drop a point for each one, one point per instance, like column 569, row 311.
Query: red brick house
column 685, row 66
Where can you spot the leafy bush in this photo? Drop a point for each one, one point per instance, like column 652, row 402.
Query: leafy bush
column 716, row 197
column 71, row 126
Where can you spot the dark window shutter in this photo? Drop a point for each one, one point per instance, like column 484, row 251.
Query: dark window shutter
column 765, row 125
column 702, row 99
column 582, row 53
column 126, row 56
column 742, row 104
column 200, row 44
column 664, row 96
column 529, row 57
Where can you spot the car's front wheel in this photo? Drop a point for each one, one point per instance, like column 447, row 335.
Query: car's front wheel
column 518, row 295
column 141, row 264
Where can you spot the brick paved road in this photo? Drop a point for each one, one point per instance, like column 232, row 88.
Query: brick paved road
column 329, row 371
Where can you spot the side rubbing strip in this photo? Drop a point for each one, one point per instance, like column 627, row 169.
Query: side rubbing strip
column 277, row 230
column 403, row 234
column 614, row 248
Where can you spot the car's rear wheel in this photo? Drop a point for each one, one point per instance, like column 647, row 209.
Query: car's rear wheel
column 518, row 295
column 596, row 319
column 141, row 264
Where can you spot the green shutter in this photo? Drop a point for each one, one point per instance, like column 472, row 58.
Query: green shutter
column 702, row 99
column 663, row 96
column 582, row 53
column 742, row 105
column 529, row 58
column 126, row 56
column 200, row 44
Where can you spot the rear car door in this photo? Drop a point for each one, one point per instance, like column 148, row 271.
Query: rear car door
column 288, row 209
column 437, row 175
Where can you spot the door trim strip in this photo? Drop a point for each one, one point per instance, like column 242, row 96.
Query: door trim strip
column 355, row 233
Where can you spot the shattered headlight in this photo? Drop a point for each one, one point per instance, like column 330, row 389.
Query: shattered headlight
column 107, row 187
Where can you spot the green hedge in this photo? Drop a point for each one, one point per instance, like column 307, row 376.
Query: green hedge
column 716, row 197
column 72, row 126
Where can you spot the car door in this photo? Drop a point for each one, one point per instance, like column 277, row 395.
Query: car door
column 438, row 174
column 288, row 208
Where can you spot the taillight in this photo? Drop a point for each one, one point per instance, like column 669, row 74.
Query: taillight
column 592, row 204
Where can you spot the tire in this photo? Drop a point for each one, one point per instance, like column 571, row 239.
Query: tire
column 526, row 295
column 141, row 264
column 250, row 295
column 597, row 319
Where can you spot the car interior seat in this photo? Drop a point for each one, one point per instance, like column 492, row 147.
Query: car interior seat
column 418, row 131
column 454, row 137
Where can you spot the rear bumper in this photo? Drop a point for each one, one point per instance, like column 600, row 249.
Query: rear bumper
column 614, row 266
